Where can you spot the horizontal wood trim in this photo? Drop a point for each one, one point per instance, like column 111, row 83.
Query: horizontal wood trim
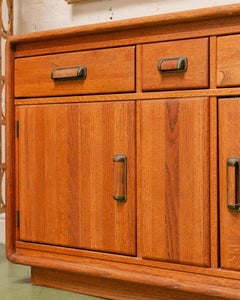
column 132, row 96
column 165, row 19
column 131, row 274
column 70, row 254
column 107, row 288
column 128, row 37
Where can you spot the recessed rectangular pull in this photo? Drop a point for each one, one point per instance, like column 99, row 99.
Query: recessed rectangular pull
column 120, row 175
column 69, row 73
column 172, row 65
column 233, row 184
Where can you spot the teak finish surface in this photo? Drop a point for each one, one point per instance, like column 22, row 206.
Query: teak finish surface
column 196, row 75
column 228, row 64
column 174, row 140
column 174, row 237
column 229, row 145
column 66, row 178
column 108, row 71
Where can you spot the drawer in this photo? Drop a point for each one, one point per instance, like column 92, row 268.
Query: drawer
column 175, row 65
column 88, row 72
column 228, row 61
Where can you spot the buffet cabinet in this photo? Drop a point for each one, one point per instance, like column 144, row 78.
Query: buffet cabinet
column 123, row 156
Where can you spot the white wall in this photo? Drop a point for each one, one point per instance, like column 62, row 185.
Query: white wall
column 37, row 15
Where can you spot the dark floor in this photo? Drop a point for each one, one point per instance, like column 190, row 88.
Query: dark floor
column 15, row 284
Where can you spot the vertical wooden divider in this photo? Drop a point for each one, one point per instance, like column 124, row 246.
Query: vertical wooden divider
column 214, row 236
column 17, row 173
column 138, row 150
column 10, row 154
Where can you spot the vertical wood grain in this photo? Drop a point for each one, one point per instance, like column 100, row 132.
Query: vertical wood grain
column 140, row 240
column 214, row 207
column 67, row 175
column 175, row 180
column 10, row 153
column 229, row 146
column 213, row 61
column 16, row 175
column 228, row 62
column 139, row 68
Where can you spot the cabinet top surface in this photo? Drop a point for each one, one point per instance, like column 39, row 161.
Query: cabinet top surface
column 204, row 14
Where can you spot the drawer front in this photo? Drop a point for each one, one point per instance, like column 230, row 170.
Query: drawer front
column 228, row 61
column 164, row 67
column 106, row 71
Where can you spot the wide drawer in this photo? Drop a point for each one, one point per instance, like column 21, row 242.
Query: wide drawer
column 228, row 61
column 175, row 65
column 88, row 72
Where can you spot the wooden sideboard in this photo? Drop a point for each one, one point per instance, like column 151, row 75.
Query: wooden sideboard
column 123, row 156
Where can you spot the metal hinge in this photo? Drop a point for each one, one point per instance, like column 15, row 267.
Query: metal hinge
column 17, row 129
column 18, row 218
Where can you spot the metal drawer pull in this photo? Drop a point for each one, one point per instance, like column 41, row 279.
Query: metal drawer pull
column 120, row 178
column 70, row 73
column 172, row 65
column 234, row 162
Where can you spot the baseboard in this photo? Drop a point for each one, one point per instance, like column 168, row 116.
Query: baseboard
column 106, row 287
column 2, row 231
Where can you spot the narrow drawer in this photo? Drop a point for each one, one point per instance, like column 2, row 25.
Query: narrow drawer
column 88, row 72
column 228, row 61
column 175, row 65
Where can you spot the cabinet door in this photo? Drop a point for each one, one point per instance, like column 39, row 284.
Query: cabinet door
column 67, row 175
column 229, row 147
column 174, row 164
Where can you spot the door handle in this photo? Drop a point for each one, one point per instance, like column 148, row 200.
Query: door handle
column 120, row 178
column 234, row 162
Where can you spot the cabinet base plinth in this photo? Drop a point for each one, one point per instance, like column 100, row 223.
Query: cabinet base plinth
column 106, row 288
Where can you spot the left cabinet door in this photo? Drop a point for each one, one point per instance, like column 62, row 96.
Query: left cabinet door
column 67, row 175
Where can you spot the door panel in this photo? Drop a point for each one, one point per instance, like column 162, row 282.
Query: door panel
column 229, row 146
column 66, row 179
column 174, row 164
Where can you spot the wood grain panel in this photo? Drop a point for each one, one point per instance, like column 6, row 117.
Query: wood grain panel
column 228, row 61
column 229, row 146
column 66, row 182
column 108, row 71
column 196, row 75
column 175, row 180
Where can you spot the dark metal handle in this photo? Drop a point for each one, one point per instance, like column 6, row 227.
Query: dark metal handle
column 234, row 162
column 122, row 158
column 69, row 73
column 172, row 65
